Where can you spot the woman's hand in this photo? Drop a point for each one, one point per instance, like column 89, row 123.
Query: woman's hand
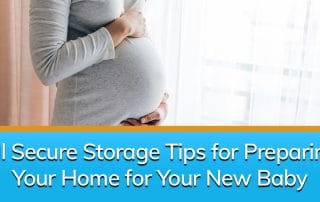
column 136, row 21
column 129, row 24
column 153, row 119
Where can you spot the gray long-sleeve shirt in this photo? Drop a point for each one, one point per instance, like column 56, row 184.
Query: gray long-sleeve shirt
column 97, row 84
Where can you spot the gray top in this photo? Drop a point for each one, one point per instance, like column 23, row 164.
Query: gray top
column 96, row 84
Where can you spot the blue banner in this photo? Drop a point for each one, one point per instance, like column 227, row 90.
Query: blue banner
column 159, row 166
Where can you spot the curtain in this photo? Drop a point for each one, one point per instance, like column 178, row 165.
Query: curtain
column 23, row 99
column 247, row 62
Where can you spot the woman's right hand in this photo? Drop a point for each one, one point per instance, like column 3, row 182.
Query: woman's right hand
column 129, row 24
column 136, row 21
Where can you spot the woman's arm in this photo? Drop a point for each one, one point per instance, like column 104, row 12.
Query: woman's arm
column 54, row 57
column 131, row 23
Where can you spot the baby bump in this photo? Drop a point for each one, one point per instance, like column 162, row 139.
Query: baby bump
column 130, row 86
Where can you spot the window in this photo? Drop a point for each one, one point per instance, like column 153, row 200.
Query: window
column 240, row 62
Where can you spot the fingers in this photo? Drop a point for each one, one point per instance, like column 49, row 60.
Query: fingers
column 137, row 21
column 165, row 98
column 153, row 119
column 154, row 116
column 159, row 115
column 133, row 122
column 125, row 123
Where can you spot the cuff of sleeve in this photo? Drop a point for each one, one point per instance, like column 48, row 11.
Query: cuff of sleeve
column 110, row 49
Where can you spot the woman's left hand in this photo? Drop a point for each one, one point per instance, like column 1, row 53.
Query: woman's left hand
column 155, row 118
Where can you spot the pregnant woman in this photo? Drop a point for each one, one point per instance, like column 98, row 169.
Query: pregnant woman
column 96, row 52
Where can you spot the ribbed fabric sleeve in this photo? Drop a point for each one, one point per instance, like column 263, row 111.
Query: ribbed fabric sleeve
column 54, row 58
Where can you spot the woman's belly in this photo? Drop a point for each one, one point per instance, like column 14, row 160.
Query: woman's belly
column 130, row 86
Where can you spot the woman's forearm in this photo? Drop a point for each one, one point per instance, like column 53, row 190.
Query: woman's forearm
column 56, row 58
column 119, row 30
column 131, row 23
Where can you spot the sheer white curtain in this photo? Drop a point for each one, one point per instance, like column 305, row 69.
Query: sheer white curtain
column 23, row 99
column 243, row 62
